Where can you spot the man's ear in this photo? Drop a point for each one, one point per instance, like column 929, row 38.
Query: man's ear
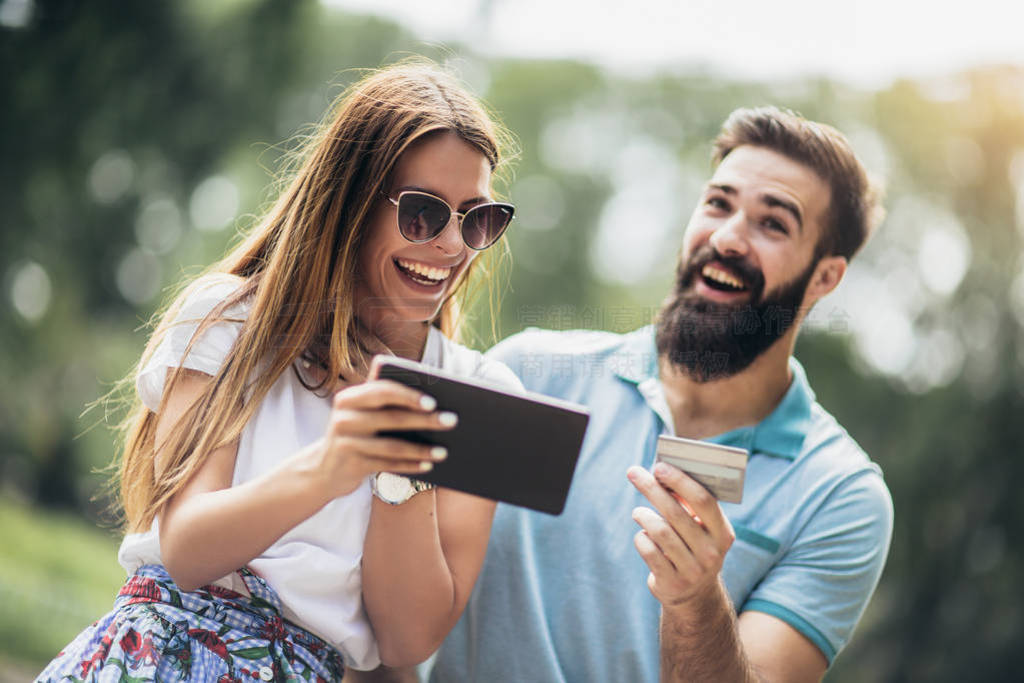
column 827, row 275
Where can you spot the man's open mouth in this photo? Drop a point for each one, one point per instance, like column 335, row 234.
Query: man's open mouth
column 722, row 280
column 421, row 273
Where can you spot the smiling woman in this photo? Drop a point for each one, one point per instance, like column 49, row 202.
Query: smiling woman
column 407, row 273
column 255, row 544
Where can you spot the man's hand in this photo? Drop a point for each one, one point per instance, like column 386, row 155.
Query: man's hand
column 684, row 543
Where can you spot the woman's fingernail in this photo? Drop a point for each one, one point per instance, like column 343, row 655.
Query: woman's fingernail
column 448, row 419
column 426, row 466
column 438, row 452
column 427, row 402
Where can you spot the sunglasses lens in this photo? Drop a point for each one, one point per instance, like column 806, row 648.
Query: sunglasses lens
column 421, row 217
column 484, row 224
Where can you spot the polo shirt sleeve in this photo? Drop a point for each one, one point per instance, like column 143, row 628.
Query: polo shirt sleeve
column 508, row 352
column 206, row 354
column 529, row 356
column 498, row 374
column 824, row 580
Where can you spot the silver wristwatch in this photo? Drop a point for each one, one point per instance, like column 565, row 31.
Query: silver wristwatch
column 395, row 489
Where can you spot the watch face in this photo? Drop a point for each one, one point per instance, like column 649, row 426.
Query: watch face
column 394, row 488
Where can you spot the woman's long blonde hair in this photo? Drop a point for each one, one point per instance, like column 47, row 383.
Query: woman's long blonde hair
column 296, row 269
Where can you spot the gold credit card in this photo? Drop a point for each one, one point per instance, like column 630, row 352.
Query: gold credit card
column 719, row 469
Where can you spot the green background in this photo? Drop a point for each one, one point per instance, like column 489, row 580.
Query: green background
column 137, row 138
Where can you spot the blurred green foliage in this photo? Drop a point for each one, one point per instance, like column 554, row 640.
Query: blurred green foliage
column 136, row 136
column 57, row 575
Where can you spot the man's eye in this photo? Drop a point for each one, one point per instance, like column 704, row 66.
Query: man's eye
column 717, row 203
column 776, row 225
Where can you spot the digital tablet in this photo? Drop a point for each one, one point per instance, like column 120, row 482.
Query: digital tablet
column 516, row 448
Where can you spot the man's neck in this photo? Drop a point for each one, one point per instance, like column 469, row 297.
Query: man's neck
column 704, row 409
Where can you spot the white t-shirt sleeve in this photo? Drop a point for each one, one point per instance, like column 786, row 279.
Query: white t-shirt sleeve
column 207, row 353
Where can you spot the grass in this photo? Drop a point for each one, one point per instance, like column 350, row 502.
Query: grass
column 58, row 574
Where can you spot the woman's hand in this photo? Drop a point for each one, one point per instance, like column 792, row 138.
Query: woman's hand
column 351, row 448
column 210, row 528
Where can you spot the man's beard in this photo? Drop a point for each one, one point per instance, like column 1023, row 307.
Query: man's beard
column 711, row 340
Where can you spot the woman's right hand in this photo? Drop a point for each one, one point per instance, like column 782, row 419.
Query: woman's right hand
column 210, row 528
column 351, row 448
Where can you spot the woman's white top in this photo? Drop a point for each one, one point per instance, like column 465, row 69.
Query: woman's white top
column 315, row 567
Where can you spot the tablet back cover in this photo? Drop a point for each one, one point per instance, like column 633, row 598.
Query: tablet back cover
column 519, row 449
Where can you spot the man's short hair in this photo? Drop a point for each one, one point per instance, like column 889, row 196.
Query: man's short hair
column 854, row 209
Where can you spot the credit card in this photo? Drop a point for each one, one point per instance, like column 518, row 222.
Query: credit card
column 719, row 469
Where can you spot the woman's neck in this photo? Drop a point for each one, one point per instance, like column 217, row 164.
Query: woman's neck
column 407, row 340
column 401, row 338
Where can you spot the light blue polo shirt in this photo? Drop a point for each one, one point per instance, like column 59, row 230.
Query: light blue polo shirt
column 565, row 599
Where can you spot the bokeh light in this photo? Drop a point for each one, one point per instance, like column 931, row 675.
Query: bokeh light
column 30, row 290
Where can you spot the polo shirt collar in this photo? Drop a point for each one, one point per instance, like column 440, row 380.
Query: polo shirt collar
column 780, row 434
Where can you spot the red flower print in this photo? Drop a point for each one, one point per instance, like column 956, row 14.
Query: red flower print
column 222, row 592
column 273, row 629
column 97, row 658
column 130, row 642
column 141, row 589
column 141, row 651
column 101, row 652
column 210, row 640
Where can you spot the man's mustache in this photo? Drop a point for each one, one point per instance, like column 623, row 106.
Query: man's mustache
column 752, row 277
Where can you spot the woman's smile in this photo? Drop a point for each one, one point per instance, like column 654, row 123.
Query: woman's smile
column 423, row 274
column 404, row 284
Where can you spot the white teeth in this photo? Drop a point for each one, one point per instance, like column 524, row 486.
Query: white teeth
column 428, row 272
column 712, row 273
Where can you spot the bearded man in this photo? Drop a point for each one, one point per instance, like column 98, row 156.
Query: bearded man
column 768, row 589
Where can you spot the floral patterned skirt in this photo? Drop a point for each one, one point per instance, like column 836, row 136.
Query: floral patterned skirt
column 157, row 632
